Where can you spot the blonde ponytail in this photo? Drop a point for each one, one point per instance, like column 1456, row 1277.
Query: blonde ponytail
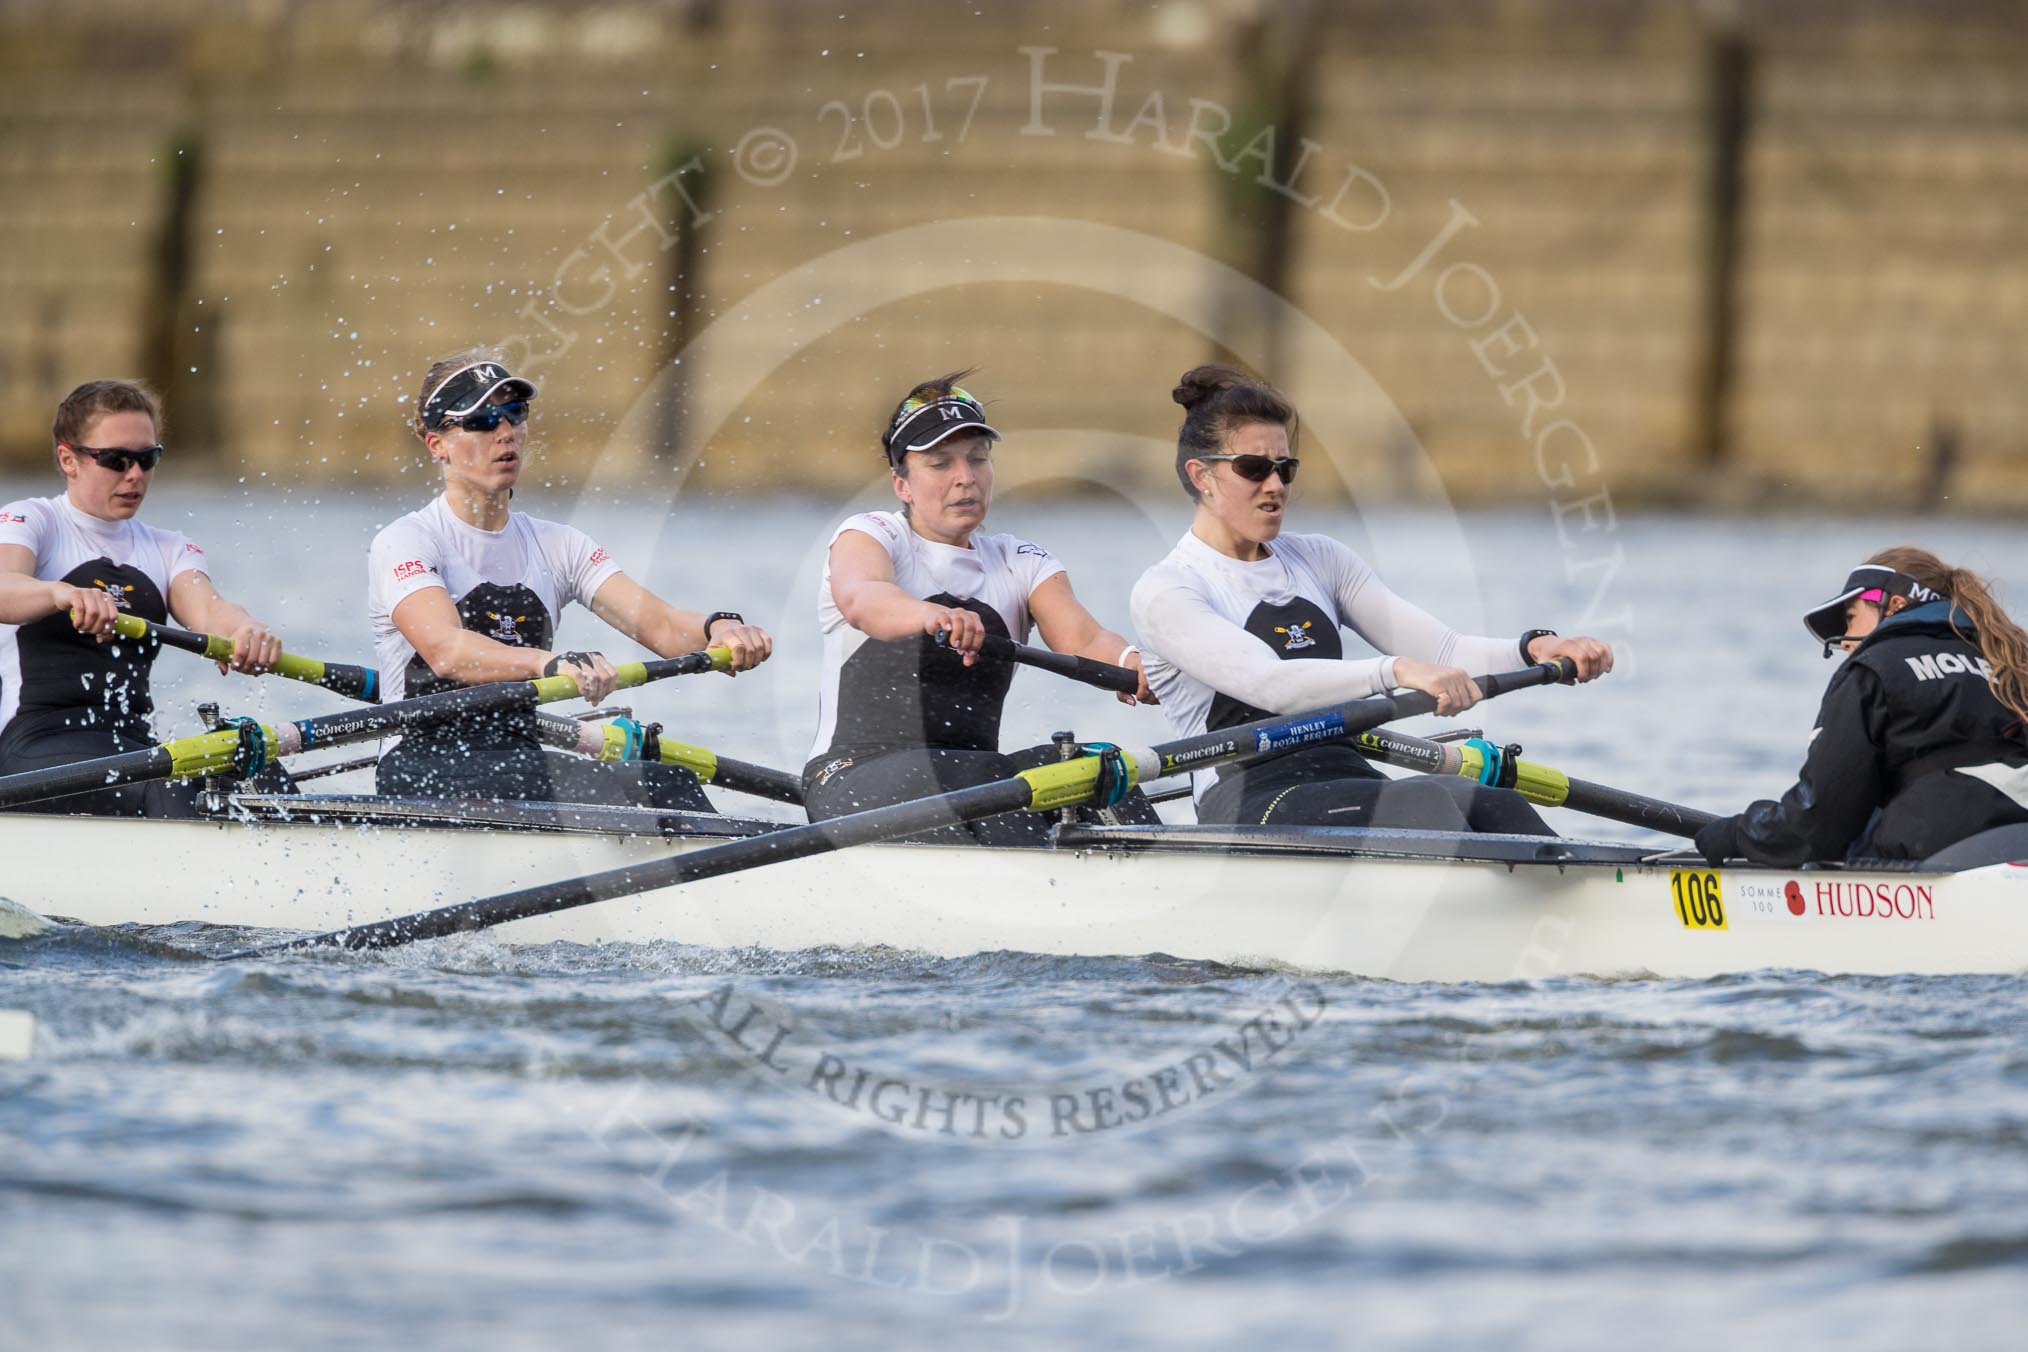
column 2000, row 641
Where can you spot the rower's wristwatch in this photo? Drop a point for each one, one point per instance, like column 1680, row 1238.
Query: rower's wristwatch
column 715, row 616
column 1529, row 638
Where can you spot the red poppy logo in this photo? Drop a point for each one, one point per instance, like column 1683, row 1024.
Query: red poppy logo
column 1794, row 892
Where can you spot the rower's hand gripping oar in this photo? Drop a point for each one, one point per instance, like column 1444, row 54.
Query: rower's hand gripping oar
column 245, row 747
column 363, row 683
column 1104, row 675
column 1108, row 774
column 623, row 739
column 1503, row 768
column 340, row 678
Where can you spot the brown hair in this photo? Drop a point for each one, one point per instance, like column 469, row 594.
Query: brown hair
column 95, row 398
column 2000, row 640
column 443, row 369
column 1216, row 400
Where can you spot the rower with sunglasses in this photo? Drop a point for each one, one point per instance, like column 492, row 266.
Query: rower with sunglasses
column 900, row 715
column 69, row 691
column 1241, row 621
column 467, row 591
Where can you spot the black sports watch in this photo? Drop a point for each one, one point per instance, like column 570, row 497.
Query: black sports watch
column 1529, row 638
column 715, row 616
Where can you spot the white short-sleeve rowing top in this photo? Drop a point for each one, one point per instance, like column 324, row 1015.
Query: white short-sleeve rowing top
column 884, row 696
column 511, row 584
column 1225, row 641
column 47, row 667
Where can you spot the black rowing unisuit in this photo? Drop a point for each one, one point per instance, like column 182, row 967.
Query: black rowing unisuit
column 912, row 692
column 510, row 614
column 71, row 680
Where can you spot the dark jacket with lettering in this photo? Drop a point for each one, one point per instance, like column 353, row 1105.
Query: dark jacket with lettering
column 1902, row 720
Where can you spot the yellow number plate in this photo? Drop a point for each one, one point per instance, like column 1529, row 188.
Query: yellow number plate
column 1699, row 898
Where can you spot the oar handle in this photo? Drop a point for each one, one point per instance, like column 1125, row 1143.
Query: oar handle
column 1561, row 671
column 340, row 678
column 1104, row 675
column 1409, row 703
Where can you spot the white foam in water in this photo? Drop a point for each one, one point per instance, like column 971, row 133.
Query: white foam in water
column 18, row 922
column 17, row 1034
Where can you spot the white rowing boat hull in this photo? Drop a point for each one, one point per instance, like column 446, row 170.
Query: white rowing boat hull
column 1410, row 919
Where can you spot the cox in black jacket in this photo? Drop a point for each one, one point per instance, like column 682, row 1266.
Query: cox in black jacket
column 1910, row 729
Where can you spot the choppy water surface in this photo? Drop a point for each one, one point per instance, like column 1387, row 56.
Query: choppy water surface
column 474, row 1145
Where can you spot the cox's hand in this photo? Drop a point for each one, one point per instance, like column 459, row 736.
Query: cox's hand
column 967, row 631
column 91, row 609
column 749, row 645
column 594, row 675
column 1143, row 695
column 1594, row 657
column 1455, row 691
column 254, row 649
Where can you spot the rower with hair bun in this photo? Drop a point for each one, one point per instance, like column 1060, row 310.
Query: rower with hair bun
column 1919, row 743
column 1241, row 621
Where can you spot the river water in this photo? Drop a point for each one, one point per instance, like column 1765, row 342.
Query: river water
column 467, row 1144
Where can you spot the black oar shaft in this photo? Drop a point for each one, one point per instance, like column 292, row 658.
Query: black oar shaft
column 61, row 781
column 1104, row 675
column 1538, row 783
column 1060, row 784
column 739, row 776
column 1602, row 800
column 796, row 842
column 759, row 780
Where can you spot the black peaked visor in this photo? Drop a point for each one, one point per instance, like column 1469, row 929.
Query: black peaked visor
column 1826, row 622
column 921, row 428
column 467, row 390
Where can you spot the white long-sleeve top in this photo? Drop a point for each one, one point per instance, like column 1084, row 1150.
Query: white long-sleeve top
column 1217, row 634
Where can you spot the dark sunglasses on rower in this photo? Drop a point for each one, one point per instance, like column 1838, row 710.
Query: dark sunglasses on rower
column 490, row 417
column 117, row 459
column 1255, row 468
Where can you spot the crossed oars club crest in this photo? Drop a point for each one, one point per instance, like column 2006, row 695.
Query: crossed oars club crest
column 1298, row 636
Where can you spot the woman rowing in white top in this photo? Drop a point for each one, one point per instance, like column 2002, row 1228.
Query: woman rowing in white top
column 899, row 717
column 468, row 591
column 1241, row 621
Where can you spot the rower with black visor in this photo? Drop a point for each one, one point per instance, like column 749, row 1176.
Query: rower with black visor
column 1919, row 742
column 70, row 689
column 910, row 706
column 467, row 591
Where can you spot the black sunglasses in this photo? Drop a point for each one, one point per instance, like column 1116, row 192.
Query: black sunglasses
column 491, row 416
column 118, row 459
column 1255, row 468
